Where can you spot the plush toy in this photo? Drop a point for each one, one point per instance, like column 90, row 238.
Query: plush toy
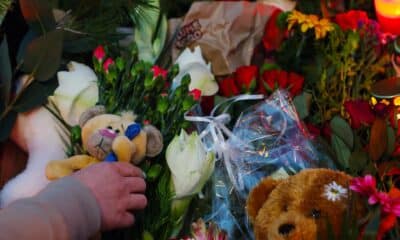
column 301, row 206
column 109, row 137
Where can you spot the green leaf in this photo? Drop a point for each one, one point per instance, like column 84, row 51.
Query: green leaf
column 371, row 230
column 5, row 75
column 38, row 15
column 6, row 125
column 358, row 161
column 4, row 7
column 302, row 103
column 342, row 129
column 35, row 95
column 43, row 55
column 29, row 37
column 391, row 140
column 150, row 31
column 342, row 151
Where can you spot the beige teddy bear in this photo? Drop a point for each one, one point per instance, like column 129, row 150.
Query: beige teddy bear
column 109, row 137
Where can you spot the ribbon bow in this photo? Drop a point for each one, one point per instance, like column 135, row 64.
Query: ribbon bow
column 216, row 135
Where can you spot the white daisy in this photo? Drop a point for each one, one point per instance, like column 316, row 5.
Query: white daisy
column 334, row 192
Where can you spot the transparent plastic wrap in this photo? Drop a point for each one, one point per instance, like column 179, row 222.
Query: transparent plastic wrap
column 268, row 139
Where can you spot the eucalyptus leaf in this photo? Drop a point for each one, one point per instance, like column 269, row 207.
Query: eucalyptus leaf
column 6, row 125
column 35, row 95
column 342, row 129
column 342, row 151
column 302, row 103
column 28, row 38
column 43, row 55
column 38, row 14
column 5, row 75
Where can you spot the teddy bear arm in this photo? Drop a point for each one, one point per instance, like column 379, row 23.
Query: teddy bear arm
column 61, row 168
column 259, row 195
column 123, row 148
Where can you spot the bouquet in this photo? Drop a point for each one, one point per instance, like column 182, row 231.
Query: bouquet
column 321, row 69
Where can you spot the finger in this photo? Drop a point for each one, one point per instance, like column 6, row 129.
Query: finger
column 135, row 184
column 127, row 219
column 128, row 170
column 136, row 201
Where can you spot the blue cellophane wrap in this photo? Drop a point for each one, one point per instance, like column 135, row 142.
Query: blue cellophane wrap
column 268, row 140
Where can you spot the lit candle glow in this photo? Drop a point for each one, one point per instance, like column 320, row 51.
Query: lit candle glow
column 388, row 14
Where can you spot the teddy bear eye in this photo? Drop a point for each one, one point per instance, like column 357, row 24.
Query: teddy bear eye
column 109, row 127
column 315, row 213
column 117, row 131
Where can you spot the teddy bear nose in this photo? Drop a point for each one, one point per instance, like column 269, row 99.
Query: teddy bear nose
column 285, row 229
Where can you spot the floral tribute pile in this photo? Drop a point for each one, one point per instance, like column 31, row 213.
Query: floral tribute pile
column 327, row 55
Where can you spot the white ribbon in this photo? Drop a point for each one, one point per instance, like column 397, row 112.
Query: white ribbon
column 220, row 133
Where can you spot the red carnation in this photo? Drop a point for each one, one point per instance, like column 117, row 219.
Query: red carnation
column 273, row 35
column 157, row 71
column 99, row 53
column 107, row 64
column 196, row 94
column 228, row 88
column 360, row 113
column 351, row 20
column 246, row 77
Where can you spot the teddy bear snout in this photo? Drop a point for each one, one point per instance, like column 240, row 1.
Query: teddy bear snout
column 286, row 228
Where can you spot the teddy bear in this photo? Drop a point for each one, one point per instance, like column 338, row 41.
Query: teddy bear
column 109, row 137
column 301, row 206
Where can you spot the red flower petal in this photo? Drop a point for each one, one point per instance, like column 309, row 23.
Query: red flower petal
column 157, row 71
column 296, row 83
column 228, row 88
column 273, row 35
column 387, row 223
column 99, row 53
column 196, row 94
column 351, row 20
column 360, row 113
column 246, row 77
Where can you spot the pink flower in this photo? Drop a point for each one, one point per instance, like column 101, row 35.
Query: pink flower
column 99, row 53
column 211, row 232
column 365, row 186
column 195, row 93
column 107, row 64
column 157, row 71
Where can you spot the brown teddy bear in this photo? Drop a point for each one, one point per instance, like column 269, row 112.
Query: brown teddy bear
column 109, row 137
column 301, row 206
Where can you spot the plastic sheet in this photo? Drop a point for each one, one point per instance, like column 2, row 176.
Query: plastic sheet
column 268, row 139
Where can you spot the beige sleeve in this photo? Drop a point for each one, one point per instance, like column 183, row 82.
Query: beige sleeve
column 65, row 209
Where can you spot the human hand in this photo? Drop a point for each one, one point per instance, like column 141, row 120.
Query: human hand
column 119, row 188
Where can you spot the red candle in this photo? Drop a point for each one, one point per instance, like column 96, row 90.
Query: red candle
column 388, row 14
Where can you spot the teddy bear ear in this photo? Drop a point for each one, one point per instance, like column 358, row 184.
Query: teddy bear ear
column 154, row 141
column 90, row 113
column 259, row 195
